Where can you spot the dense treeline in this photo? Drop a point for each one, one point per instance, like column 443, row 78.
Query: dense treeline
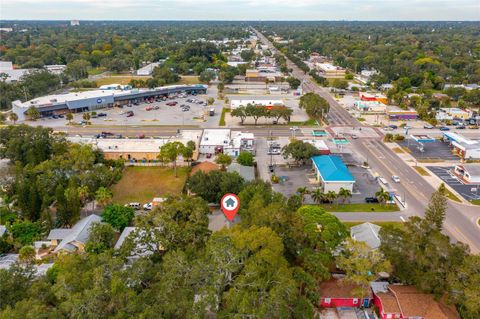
column 95, row 47
column 268, row 265
column 49, row 181
column 428, row 53
column 35, row 84
column 103, row 43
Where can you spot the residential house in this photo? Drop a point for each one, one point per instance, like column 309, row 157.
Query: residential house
column 406, row 302
column 336, row 293
column 72, row 239
column 367, row 233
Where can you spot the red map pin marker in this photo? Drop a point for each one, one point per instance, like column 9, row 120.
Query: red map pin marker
column 230, row 204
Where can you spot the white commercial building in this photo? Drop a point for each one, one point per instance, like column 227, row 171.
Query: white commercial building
column 469, row 173
column 464, row 147
column 329, row 69
column 236, row 103
column 214, row 141
column 95, row 99
column 55, row 68
column 224, row 141
column 12, row 75
column 240, row 142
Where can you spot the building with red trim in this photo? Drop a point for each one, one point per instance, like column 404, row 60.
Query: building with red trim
column 406, row 302
column 340, row 294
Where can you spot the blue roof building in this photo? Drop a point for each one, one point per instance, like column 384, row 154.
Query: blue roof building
column 332, row 173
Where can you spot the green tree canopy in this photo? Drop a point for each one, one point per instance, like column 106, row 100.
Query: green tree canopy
column 118, row 216
column 300, row 151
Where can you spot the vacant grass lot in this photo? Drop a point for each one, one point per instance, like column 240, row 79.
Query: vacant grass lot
column 359, row 207
column 142, row 184
column 120, row 79
column 125, row 79
column 398, row 225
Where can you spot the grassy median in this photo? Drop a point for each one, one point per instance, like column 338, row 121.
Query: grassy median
column 221, row 122
column 421, row 171
column 359, row 208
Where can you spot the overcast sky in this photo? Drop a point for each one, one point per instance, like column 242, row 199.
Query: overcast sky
column 240, row 9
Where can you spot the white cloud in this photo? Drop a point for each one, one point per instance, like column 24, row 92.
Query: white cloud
column 242, row 9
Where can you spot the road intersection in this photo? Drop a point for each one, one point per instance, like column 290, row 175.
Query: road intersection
column 460, row 222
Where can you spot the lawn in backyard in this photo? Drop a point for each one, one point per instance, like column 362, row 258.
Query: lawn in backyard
column 359, row 207
column 142, row 184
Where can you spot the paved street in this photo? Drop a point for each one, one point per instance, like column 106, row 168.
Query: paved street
column 461, row 218
column 460, row 222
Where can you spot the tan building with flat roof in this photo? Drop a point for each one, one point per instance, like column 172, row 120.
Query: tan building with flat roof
column 136, row 149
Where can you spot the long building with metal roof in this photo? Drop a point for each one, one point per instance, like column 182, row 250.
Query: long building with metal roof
column 97, row 99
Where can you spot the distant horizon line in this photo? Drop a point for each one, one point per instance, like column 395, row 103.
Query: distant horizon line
column 230, row 20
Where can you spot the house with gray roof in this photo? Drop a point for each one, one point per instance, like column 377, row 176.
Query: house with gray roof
column 144, row 243
column 368, row 233
column 72, row 239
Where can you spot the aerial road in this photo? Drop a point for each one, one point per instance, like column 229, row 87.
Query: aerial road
column 460, row 222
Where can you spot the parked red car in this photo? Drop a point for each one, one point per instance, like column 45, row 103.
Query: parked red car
column 172, row 103
column 148, row 108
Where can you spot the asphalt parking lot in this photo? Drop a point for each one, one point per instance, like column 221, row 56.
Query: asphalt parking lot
column 444, row 173
column 432, row 150
column 295, row 177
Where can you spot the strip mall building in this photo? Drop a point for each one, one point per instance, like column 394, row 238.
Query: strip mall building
column 97, row 99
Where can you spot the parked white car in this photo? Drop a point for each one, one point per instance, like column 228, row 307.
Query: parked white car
column 396, row 179
column 135, row 205
column 148, row 206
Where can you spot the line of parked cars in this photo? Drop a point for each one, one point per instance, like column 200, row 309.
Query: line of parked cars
column 138, row 206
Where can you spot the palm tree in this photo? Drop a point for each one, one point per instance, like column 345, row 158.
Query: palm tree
column 103, row 196
column 317, row 195
column 302, row 191
column 344, row 194
column 331, row 196
column 13, row 117
column 382, row 196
